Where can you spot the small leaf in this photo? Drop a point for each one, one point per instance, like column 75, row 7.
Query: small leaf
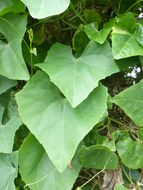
column 12, row 64
column 131, row 153
column 125, row 42
column 98, row 156
column 8, row 170
column 98, row 36
column 7, row 134
column 57, row 126
column 6, row 84
column 14, row 6
column 45, row 8
column 76, row 78
column 38, row 172
column 131, row 101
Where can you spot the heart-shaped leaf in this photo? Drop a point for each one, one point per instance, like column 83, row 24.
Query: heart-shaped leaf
column 126, row 35
column 131, row 101
column 39, row 173
column 57, row 126
column 8, row 170
column 98, row 36
column 12, row 65
column 131, row 153
column 76, row 78
column 45, row 8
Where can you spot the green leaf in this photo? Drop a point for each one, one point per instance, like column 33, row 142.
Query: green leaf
column 120, row 134
column 1, row 113
column 131, row 153
column 57, row 126
column 15, row 6
column 76, row 78
column 39, row 173
column 12, row 64
column 7, row 134
column 6, row 84
column 98, row 36
column 120, row 187
column 131, row 101
column 8, row 170
column 125, row 38
column 98, row 157
column 140, row 134
column 45, row 8
column 126, row 63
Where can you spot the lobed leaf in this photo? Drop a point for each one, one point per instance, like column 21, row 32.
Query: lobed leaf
column 77, row 78
column 57, row 126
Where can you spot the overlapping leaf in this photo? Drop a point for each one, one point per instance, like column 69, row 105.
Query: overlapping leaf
column 76, row 78
column 57, row 126
column 12, row 65
column 131, row 101
column 45, row 8
column 7, row 134
column 127, row 38
column 6, row 83
column 8, row 170
column 39, row 173
column 131, row 153
column 98, row 36
column 98, row 157
column 15, row 6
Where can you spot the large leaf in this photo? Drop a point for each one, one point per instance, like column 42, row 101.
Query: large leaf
column 126, row 38
column 7, row 134
column 76, row 78
column 12, row 64
column 6, row 83
column 39, row 173
column 131, row 153
column 57, row 126
column 15, row 6
column 45, row 8
column 98, row 36
column 131, row 101
column 8, row 170
column 98, row 157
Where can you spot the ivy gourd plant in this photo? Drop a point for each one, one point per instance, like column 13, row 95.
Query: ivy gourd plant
column 71, row 95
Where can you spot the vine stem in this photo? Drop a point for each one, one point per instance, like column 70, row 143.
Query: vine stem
column 118, row 122
column 76, row 12
column 96, row 174
column 133, row 6
column 119, row 7
column 126, row 174
column 31, row 59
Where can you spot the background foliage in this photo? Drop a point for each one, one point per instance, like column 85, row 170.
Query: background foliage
column 71, row 94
